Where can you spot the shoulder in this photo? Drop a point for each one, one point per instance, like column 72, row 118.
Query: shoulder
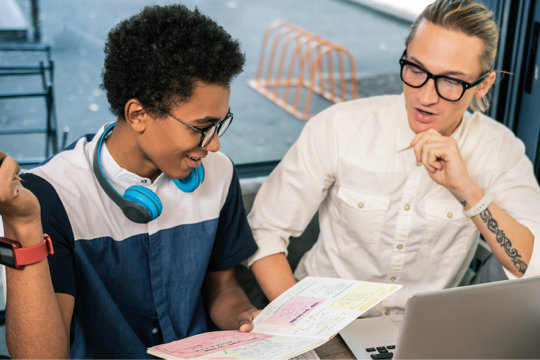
column 54, row 216
column 41, row 188
column 68, row 166
column 490, row 133
column 489, row 145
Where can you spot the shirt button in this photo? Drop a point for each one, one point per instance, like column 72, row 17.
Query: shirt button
column 418, row 164
column 400, row 247
column 449, row 215
column 387, row 312
column 155, row 331
column 393, row 278
column 407, row 207
column 144, row 181
column 361, row 205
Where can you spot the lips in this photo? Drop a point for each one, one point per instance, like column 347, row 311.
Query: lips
column 424, row 116
column 194, row 162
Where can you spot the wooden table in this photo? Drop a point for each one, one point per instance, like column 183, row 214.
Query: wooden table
column 335, row 349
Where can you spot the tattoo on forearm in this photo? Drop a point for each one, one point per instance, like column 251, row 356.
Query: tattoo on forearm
column 506, row 244
column 464, row 203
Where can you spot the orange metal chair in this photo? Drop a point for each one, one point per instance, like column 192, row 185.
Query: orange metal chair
column 305, row 55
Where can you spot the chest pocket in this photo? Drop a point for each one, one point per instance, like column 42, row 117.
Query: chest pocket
column 362, row 213
column 447, row 231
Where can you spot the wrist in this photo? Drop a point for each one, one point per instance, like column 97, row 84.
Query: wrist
column 28, row 233
column 469, row 195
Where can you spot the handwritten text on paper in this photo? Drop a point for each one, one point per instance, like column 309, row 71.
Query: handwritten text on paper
column 364, row 296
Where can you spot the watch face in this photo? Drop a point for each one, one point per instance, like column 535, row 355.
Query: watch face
column 6, row 254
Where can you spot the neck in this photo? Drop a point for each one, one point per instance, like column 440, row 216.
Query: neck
column 125, row 150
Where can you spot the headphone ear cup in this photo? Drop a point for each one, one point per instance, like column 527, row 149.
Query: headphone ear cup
column 146, row 198
column 192, row 181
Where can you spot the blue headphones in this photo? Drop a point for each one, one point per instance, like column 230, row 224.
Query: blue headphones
column 139, row 204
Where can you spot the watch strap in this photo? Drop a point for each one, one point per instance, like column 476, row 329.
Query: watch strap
column 481, row 206
column 33, row 254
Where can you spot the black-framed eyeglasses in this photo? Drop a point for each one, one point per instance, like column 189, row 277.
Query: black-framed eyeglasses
column 447, row 87
column 208, row 133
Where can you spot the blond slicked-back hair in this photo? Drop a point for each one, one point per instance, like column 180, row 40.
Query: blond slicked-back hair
column 469, row 18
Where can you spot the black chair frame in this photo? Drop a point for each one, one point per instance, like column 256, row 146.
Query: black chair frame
column 46, row 72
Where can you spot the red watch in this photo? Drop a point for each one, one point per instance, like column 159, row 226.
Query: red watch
column 15, row 256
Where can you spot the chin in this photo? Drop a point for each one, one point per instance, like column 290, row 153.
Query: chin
column 177, row 173
column 418, row 127
column 183, row 174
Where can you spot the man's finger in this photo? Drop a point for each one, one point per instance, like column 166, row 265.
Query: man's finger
column 245, row 320
column 2, row 156
column 429, row 159
column 424, row 160
column 419, row 145
column 246, row 327
column 422, row 139
column 8, row 170
column 429, row 133
column 435, row 155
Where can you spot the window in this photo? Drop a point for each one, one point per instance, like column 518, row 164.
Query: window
column 261, row 131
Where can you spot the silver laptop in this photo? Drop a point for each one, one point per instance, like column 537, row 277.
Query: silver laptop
column 499, row 320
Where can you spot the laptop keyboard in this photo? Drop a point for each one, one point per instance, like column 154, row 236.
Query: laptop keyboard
column 381, row 352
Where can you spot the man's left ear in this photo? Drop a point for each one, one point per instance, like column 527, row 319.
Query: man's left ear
column 484, row 87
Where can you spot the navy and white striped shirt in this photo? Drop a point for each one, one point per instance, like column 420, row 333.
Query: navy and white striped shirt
column 136, row 285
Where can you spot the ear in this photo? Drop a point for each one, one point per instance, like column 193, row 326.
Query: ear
column 136, row 116
column 484, row 87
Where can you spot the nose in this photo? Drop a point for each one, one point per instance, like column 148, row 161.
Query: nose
column 214, row 144
column 427, row 94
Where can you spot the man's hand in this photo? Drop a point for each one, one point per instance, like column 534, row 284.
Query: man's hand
column 441, row 157
column 227, row 304
column 19, row 208
column 245, row 320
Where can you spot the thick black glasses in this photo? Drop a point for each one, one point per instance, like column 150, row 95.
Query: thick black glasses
column 448, row 88
column 208, row 133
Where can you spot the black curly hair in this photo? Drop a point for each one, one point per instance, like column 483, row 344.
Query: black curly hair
column 158, row 56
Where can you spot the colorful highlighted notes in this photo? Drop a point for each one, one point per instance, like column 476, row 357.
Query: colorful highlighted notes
column 295, row 310
column 364, row 296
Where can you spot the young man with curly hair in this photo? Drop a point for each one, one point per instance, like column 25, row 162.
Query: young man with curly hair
column 153, row 265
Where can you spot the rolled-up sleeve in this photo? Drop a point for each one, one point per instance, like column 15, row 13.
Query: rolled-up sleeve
column 293, row 192
column 518, row 194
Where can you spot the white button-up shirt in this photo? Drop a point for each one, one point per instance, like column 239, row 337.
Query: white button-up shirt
column 382, row 218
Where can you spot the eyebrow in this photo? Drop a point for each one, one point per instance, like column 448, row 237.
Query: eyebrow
column 444, row 73
column 206, row 121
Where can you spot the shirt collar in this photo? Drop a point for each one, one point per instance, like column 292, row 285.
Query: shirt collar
column 404, row 134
